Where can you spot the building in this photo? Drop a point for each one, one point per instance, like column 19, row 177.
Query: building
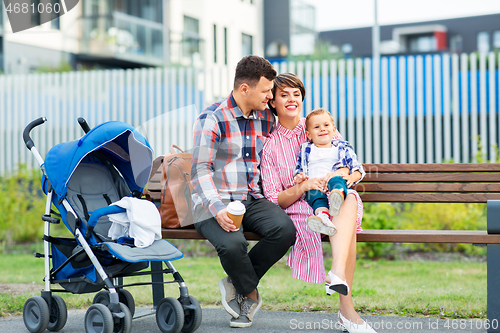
column 132, row 34
column 457, row 35
column 289, row 28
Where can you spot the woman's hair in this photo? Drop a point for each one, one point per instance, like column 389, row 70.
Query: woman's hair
column 318, row 112
column 286, row 80
column 250, row 69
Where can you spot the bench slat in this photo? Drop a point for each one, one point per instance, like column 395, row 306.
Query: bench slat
column 429, row 197
column 427, row 187
column 429, row 236
column 370, row 235
column 432, row 177
column 444, row 167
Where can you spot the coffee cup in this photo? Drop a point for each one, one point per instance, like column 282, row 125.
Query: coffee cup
column 235, row 211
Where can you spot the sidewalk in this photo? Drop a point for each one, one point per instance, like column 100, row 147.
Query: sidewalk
column 217, row 321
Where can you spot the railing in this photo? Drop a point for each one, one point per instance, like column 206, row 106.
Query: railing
column 428, row 109
column 122, row 37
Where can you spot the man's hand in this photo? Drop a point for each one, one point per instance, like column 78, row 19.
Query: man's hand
column 300, row 177
column 224, row 221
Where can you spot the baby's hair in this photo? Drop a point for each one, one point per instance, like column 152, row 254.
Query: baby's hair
column 318, row 112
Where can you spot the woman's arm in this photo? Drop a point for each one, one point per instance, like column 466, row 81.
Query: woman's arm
column 289, row 196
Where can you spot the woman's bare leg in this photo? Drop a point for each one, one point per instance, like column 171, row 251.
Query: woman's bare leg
column 343, row 245
column 343, row 239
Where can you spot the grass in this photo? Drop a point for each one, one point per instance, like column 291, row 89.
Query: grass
column 455, row 289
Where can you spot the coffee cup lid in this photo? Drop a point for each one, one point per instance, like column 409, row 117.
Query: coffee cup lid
column 236, row 208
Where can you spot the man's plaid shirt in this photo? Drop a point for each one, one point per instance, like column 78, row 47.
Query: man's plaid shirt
column 226, row 154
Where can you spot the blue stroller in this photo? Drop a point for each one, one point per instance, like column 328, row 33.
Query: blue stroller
column 81, row 179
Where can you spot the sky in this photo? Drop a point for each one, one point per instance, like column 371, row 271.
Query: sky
column 342, row 14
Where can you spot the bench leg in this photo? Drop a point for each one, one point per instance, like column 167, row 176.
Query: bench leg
column 493, row 288
column 493, row 269
column 157, row 289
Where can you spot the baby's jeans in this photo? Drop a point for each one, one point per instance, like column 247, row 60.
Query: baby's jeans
column 316, row 198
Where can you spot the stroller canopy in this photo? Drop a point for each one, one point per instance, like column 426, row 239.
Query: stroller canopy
column 122, row 144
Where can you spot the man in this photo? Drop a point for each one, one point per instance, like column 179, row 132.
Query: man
column 228, row 140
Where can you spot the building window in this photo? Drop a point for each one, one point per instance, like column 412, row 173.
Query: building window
column 456, row 44
column 419, row 43
column 496, row 39
column 246, row 45
column 225, row 46
column 215, row 43
column 483, row 42
column 191, row 37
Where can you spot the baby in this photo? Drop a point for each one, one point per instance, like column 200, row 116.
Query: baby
column 332, row 160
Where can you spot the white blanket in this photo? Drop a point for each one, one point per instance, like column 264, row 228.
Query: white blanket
column 141, row 221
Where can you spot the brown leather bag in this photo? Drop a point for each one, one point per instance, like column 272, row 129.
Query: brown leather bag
column 176, row 206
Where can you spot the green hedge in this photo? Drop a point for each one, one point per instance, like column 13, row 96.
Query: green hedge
column 22, row 204
column 414, row 216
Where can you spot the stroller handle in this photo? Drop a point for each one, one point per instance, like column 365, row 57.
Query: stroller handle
column 83, row 124
column 26, row 133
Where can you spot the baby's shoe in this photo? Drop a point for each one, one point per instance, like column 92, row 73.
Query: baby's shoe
column 321, row 223
column 336, row 199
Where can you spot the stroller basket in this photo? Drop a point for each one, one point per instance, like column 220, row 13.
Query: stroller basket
column 77, row 275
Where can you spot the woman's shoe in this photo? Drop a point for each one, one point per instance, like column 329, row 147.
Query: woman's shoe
column 348, row 326
column 329, row 291
column 336, row 284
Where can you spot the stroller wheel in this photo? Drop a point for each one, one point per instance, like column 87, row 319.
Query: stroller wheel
column 192, row 316
column 101, row 297
column 36, row 314
column 126, row 298
column 58, row 314
column 123, row 325
column 98, row 319
column 169, row 315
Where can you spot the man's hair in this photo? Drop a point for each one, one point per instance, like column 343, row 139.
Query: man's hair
column 287, row 80
column 250, row 69
column 318, row 112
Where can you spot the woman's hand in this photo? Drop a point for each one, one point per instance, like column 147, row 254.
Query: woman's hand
column 313, row 184
column 224, row 221
column 300, row 177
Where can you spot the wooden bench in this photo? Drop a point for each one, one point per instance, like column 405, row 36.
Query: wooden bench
column 421, row 183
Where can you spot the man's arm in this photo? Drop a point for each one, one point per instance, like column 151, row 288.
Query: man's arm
column 206, row 139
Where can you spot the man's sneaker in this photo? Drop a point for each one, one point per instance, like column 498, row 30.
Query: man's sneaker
column 336, row 199
column 322, row 224
column 248, row 309
column 230, row 299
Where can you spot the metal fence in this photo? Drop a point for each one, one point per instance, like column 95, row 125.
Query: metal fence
column 423, row 109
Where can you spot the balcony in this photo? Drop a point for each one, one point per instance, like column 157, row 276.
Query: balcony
column 120, row 38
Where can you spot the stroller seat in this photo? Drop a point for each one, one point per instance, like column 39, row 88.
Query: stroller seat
column 93, row 186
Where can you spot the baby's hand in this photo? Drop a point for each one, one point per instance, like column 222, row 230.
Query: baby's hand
column 300, row 177
column 345, row 171
column 349, row 180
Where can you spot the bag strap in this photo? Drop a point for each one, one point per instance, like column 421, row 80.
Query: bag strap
column 172, row 147
column 156, row 164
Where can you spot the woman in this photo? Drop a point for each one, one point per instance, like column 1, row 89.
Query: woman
column 279, row 158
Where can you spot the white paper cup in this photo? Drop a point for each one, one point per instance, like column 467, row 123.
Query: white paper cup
column 235, row 211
